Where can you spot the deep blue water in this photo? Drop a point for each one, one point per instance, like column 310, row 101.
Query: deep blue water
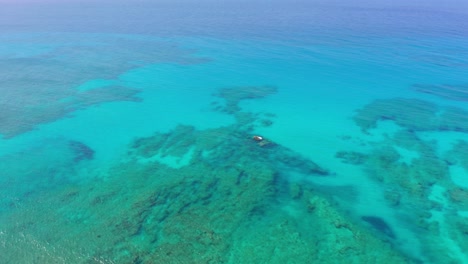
column 127, row 132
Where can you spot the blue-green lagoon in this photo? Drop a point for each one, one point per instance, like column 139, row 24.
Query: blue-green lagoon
column 233, row 132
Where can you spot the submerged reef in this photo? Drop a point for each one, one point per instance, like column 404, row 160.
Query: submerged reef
column 233, row 95
column 412, row 114
column 43, row 87
column 351, row 157
column 195, row 196
column 81, row 150
column 447, row 91
column 223, row 147
column 416, row 174
column 380, row 225
column 16, row 120
column 229, row 204
column 43, row 167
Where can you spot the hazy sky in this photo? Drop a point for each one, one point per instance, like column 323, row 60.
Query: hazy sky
column 455, row 5
column 234, row 16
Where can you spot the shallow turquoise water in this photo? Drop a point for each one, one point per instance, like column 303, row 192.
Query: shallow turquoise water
column 131, row 141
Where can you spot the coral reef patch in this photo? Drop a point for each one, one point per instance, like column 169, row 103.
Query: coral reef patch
column 228, row 205
column 16, row 120
column 447, row 91
column 420, row 188
column 351, row 157
column 41, row 88
column 233, row 95
column 380, row 225
column 230, row 202
column 412, row 114
column 48, row 165
column 81, row 150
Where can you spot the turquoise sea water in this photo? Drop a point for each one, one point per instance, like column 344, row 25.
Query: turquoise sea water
column 127, row 132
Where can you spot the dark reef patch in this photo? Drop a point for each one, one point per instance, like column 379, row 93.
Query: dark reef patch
column 458, row 154
column 447, row 91
column 379, row 224
column 233, row 95
column 416, row 172
column 46, row 166
column 81, row 151
column 16, row 120
column 351, row 157
column 223, row 147
column 225, row 206
column 229, row 203
column 413, row 115
column 228, row 145
column 42, row 88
